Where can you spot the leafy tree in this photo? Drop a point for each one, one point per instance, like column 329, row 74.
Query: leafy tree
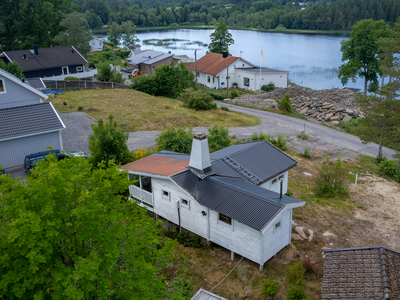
column 221, row 39
column 175, row 139
column 69, row 232
column 116, row 33
column 218, row 137
column 360, row 52
column 108, row 143
column 381, row 122
column 28, row 22
column 12, row 68
column 296, row 292
column 168, row 81
column 76, row 33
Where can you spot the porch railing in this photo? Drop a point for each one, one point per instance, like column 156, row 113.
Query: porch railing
column 141, row 195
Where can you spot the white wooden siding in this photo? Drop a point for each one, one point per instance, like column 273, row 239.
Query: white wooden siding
column 276, row 187
column 192, row 218
column 276, row 240
column 238, row 238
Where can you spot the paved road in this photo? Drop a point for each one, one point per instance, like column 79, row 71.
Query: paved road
column 324, row 137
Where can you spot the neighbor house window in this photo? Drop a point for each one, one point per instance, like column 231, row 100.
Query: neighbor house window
column 2, row 87
column 208, row 79
column 277, row 226
column 78, row 69
column 225, row 219
column 246, row 81
column 213, row 79
column 198, row 74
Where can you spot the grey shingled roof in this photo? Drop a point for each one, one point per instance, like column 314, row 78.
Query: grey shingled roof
column 29, row 119
column 206, row 295
column 148, row 57
column 260, row 158
column 47, row 58
column 242, row 201
column 361, row 273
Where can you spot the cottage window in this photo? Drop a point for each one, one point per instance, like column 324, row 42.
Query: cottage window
column 198, row 74
column 79, row 69
column 277, row 226
column 275, row 181
column 2, row 86
column 213, row 79
column 208, row 79
column 225, row 219
column 246, row 81
column 185, row 203
column 281, row 177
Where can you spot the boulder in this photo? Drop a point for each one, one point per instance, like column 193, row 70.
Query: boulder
column 335, row 123
column 304, row 111
column 335, row 118
column 347, row 118
column 328, row 116
column 327, row 106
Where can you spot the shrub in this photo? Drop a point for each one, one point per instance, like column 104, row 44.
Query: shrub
column 218, row 137
column 349, row 126
column 233, row 94
column 185, row 238
column 116, row 77
column 65, row 103
column 71, row 78
column 225, row 108
column 109, row 43
column 104, row 72
column 217, row 97
column 295, row 273
column 284, row 103
column 307, row 152
column 197, row 100
column 181, row 286
column 296, row 292
column 280, row 142
column 261, row 136
column 331, row 180
column 390, row 167
column 235, row 84
column 268, row 88
column 269, row 288
column 92, row 65
column 175, row 139
column 310, row 266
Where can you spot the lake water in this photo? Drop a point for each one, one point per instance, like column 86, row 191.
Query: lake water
column 313, row 60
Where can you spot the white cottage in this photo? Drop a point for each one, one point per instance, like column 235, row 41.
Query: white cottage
column 96, row 44
column 213, row 70
column 233, row 197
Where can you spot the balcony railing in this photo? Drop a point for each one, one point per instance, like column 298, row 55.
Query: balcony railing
column 141, row 195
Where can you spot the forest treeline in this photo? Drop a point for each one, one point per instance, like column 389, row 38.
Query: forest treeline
column 268, row 14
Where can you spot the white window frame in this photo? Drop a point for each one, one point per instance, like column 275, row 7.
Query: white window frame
column 219, row 221
column 280, row 225
column 209, row 79
column 166, row 197
column 79, row 69
column 244, row 81
column 4, row 86
column 187, row 206
column 62, row 70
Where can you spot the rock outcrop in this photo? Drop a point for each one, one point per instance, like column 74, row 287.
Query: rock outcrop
column 332, row 105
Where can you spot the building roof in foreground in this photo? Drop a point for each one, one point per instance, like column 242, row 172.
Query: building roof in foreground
column 212, row 63
column 206, row 295
column 148, row 57
column 361, row 273
column 27, row 120
column 47, row 58
column 158, row 165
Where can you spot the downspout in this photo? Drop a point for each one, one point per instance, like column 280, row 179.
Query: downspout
column 179, row 215
column 60, row 139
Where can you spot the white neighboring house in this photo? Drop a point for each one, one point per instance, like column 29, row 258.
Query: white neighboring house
column 212, row 72
column 96, row 44
column 233, row 197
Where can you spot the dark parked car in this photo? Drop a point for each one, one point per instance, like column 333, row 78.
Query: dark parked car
column 32, row 159
column 2, row 171
column 126, row 69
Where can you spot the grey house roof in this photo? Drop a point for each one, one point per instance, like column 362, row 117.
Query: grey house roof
column 36, row 83
column 148, row 57
column 361, row 273
column 206, row 295
column 47, row 58
column 256, row 70
column 28, row 120
column 261, row 159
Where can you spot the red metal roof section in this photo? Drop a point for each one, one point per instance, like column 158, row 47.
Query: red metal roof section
column 212, row 63
column 158, row 165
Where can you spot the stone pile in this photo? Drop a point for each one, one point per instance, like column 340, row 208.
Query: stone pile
column 332, row 105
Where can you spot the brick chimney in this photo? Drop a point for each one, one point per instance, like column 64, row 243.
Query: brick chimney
column 200, row 155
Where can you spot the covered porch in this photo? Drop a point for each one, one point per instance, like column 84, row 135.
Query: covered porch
column 142, row 191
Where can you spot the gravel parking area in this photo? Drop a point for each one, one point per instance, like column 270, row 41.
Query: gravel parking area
column 75, row 135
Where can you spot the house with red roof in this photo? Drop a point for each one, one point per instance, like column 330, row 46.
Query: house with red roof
column 218, row 71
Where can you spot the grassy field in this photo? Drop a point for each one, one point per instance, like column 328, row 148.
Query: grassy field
column 136, row 111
